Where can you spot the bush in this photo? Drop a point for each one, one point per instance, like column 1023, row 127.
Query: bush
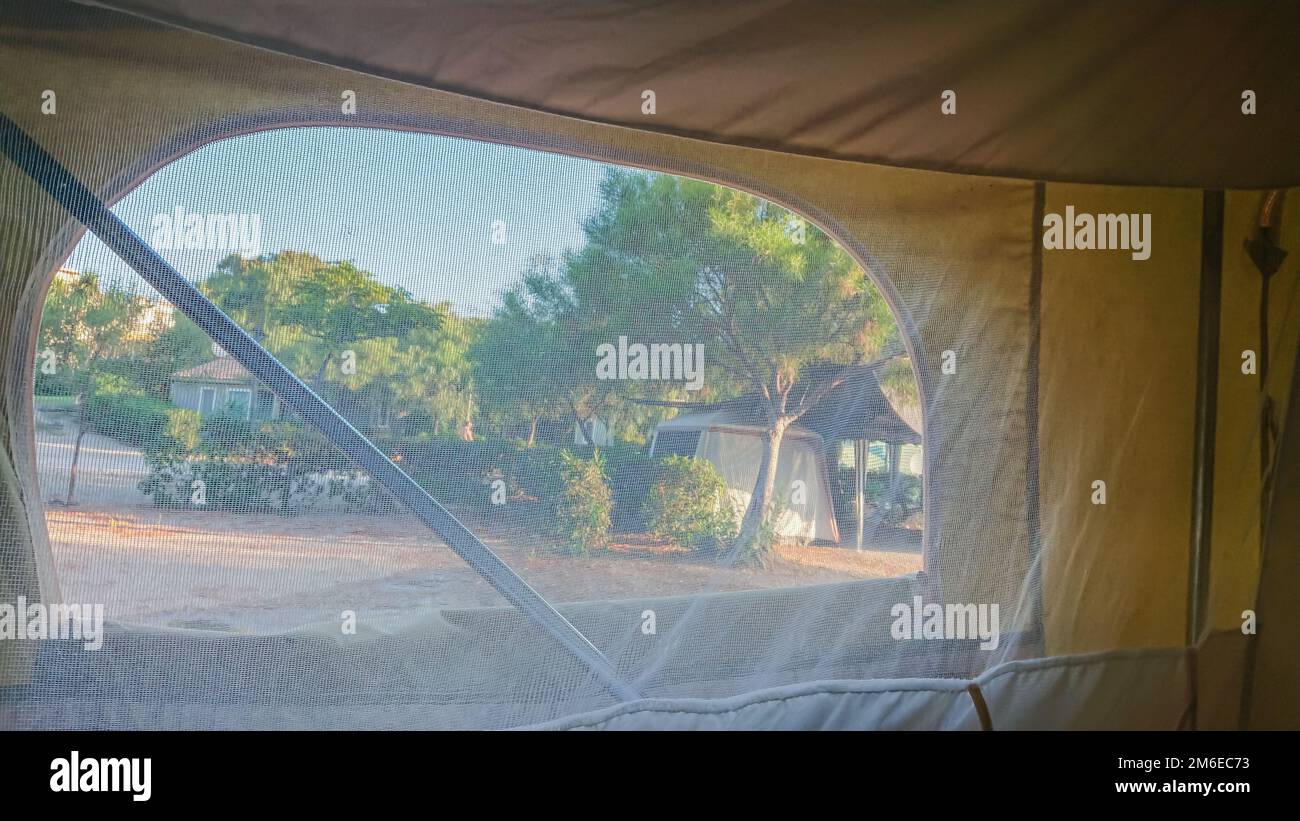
column 239, row 486
column 141, row 421
column 582, row 509
column 453, row 470
column 183, row 430
column 905, row 501
column 456, row 471
column 691, row 506
column 276, row 466
column 632, row 473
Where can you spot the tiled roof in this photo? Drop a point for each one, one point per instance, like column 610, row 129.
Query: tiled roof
column 221, row 369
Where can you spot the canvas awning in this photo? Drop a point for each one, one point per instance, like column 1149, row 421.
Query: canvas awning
column 1050, row 91
column 855, row 409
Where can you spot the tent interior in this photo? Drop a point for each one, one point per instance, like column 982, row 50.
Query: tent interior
column 1067, row 244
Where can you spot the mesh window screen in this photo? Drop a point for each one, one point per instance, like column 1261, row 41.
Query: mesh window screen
column 629, row 385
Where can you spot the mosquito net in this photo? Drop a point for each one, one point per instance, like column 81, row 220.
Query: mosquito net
column 365, row 404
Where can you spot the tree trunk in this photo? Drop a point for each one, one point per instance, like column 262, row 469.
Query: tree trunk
column 319, row 381
column 760, row 503
column 76, row 448
column 532, row 432
column 580, row 423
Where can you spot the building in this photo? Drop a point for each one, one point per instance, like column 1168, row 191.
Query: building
column 223, row 385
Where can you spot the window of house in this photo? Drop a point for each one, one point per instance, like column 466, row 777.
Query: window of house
column 514, row 329
column 239, row 400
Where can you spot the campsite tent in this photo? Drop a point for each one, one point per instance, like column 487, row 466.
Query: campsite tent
column 933, row 141
column 733, row 445
column 729, row 435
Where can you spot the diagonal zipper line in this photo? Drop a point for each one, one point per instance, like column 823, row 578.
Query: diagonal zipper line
column 87, row 208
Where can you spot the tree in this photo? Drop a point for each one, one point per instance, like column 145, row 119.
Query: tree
column 170, row 349
column 434, row 375
column 320, row 318
column 534, row 356
column 782, row 311
column 84, row 324
column 339, row 305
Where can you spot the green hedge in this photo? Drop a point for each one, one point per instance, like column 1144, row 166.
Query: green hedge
column 142, row 421
column 691, row 506
column 583, row 504
column 461, row 472
column 277, row 466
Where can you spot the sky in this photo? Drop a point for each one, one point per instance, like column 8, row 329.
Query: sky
column 416, row 210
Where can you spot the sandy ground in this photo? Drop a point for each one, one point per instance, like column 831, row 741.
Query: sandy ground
column 268, row 572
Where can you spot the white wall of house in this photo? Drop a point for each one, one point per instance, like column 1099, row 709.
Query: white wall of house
column 210, row 397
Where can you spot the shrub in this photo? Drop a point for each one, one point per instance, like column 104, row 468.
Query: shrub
column 275, row 466
column 453, row 470
column 691, row 506
column 539, row 472
column 183, row 430
column 905, row 500
column 140, row 421
column 222, row 434
column 582, row 509
column 632, row 473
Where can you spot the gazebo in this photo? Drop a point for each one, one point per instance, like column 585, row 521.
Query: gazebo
column 857, row 410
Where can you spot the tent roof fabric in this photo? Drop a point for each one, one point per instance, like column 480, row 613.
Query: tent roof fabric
column 725, row 418
column 855, row 409
column 1048, row 91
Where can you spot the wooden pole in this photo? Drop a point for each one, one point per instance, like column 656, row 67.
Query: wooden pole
column 860, row 475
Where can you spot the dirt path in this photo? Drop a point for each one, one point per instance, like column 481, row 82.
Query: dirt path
column 265, row 572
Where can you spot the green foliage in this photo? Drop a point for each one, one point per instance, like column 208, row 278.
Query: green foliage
column 277, row 466
column 773, row 301
column 114, row 409
column 82, row 324
column 906, row 500
column 166, row 351
column 413, row 359
column 533, row 358
column 184, row 430
column 458, row 472
column 713, row 265
column 691, row 506
column 632, row 473
column 583, row 507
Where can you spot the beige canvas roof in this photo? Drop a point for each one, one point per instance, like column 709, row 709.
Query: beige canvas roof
column 1051, row 91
